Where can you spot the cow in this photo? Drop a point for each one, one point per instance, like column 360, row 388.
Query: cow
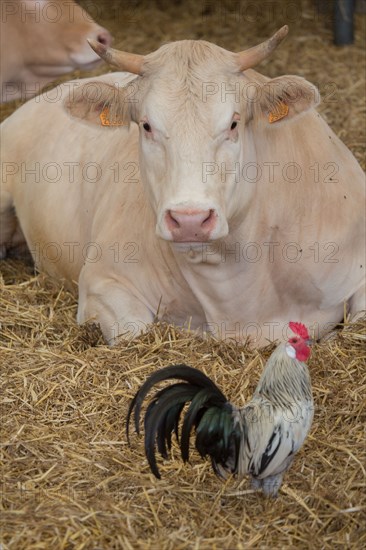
column 42, row 40
column 189, row 188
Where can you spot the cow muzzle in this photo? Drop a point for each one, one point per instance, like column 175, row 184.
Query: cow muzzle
column 191, row 225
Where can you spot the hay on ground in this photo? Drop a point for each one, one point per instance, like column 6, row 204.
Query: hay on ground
column 71, row 481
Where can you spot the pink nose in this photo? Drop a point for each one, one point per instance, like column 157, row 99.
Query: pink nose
column 105, row 38
column 190, row 225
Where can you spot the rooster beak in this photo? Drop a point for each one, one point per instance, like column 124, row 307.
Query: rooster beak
column 310, row 341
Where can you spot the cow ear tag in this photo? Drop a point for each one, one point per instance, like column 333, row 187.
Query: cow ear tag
column 280, row 112
column 104, row 118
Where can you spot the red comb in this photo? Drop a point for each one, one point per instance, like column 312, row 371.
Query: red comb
column 300, row 329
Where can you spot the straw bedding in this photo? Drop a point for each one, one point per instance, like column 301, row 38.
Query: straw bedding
column 69, row 479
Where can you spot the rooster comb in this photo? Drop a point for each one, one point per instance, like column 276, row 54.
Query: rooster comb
column 300, row 329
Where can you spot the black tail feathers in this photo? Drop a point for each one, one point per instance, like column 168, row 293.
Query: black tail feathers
column 209, row 412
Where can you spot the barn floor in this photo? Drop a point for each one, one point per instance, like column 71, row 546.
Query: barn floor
column 69, row 480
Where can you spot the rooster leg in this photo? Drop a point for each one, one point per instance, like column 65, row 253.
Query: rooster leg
column 270, row 485
column 256, row 483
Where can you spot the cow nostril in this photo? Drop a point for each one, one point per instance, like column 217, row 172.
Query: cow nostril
column 175, row 223
column 104, row 38
column 208, row 219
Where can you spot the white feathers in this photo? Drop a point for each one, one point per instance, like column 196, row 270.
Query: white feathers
column 276, row 421
column 291, row 352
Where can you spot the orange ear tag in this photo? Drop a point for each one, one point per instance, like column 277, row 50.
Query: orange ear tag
column 104, row 118
column 280, row 112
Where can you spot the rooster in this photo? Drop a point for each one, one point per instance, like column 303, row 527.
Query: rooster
column 259, row 440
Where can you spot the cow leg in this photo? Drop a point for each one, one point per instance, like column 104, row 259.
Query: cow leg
column 356, row 310
column 7, row 222
column 116, row 309
column 357, row 304
column 12, row 241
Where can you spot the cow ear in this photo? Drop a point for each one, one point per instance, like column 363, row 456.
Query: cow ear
column 286, row 97
column 101, row 104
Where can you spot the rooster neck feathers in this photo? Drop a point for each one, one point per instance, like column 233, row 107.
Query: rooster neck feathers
column 284, row 379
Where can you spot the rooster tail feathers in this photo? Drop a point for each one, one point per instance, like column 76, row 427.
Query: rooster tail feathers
column 165, row 408
column 180, row 372
column 204, row 399
column 217, row 434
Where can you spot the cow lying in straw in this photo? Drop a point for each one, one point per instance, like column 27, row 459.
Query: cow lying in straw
column 194, row 190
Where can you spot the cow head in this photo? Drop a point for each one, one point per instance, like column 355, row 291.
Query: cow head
column 196, row 110
column 54, row 34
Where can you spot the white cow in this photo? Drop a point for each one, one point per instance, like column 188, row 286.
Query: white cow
column 220, row 198
column 42, row 40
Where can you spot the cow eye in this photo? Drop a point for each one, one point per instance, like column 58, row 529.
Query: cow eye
column 146, row 126
column 233, row 125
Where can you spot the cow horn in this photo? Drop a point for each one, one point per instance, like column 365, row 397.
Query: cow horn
column 130, row 62
column 253, row 56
